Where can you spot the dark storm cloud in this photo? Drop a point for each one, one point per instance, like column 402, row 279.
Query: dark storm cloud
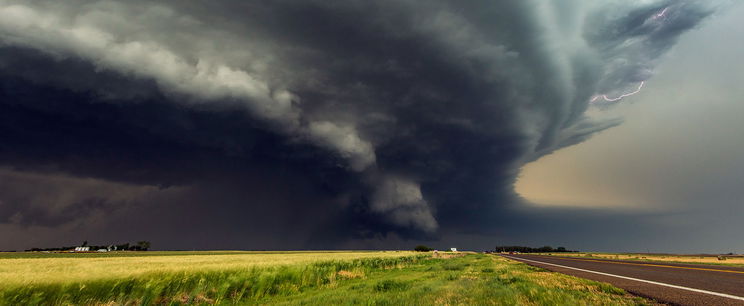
column 390, row 116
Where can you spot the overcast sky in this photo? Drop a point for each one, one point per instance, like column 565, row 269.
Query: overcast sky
column 293, row 125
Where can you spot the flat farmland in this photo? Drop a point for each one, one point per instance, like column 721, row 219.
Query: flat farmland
column 289, row 278
column 39, row 268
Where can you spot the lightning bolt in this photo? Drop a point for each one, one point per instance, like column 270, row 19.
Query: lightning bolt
column 618, row 98
column 661, row 14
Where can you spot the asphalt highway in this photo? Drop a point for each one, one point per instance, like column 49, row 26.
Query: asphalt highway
column 672, row 283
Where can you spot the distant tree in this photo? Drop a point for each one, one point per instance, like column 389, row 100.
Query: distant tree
column 85, row 243
column 524, row 249
column 545, row 249
column 143, row 245
column 422, row 248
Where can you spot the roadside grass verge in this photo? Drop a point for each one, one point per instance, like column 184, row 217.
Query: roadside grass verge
column 408, row 280
column 475, row 279
column 731, row 261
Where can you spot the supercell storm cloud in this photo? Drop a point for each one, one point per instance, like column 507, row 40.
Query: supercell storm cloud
column 323, row 121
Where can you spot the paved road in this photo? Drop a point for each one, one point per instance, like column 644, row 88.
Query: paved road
column 679, row 284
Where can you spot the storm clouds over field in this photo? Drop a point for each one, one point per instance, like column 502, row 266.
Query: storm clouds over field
column 309, row 124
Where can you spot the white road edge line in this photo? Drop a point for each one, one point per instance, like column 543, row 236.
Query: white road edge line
column 637, row 279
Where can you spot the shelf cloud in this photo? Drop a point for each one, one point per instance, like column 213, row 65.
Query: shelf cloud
column 341, row 121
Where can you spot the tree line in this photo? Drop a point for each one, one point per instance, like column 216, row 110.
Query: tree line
column 524, row 249
column 139, row 246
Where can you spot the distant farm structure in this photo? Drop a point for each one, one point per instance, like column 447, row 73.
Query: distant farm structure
column 84, row 247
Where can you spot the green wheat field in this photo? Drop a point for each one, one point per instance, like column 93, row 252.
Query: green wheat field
column 290, row 278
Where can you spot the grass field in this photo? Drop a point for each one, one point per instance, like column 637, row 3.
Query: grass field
column 44, row 268
column 313, row 278
column 735, row 261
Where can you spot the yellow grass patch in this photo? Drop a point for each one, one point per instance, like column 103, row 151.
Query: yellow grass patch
column 703, row 259
column 16, row 271
column 447, row 255
column 350, row 274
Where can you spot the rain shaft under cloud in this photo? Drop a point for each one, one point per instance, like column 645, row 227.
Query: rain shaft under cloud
column 362, row 119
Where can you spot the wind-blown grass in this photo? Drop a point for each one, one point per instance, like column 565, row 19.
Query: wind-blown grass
column 470, row 280
column 405, row 279
column 197, row 286
column 61, row 268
